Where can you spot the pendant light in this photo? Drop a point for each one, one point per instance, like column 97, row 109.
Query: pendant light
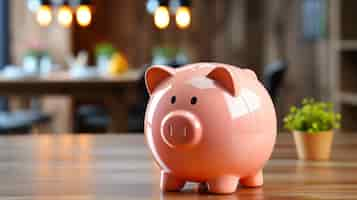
column 44, row 13
column 162, row 15
column 183, row 14
column 65, row 16
column 84, row 13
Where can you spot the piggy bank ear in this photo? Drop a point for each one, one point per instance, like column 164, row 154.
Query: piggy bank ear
column 225, row 79
column 155, row 75
column 250, row 73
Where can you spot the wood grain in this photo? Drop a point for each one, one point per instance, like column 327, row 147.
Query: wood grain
column 62, row 83
column 113, row 166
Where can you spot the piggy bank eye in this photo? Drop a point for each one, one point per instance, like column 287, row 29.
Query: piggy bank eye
column 193, row 100
column 173, row 99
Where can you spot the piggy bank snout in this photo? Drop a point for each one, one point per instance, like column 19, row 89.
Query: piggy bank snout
column 181, row 129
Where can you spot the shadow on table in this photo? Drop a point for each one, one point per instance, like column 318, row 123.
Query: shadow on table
column 192, row 193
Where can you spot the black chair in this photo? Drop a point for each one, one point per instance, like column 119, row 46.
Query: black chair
column 21, row 121
column 11, row 123
column 273, row 77
column 91, row 119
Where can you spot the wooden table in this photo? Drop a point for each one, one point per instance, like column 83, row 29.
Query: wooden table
column 112, row 90
column 113, row 166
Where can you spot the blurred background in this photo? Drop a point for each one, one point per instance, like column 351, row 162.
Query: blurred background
column 77, row 66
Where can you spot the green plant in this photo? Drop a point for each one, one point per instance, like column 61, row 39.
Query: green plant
column 312, row 117
column 37, row 50
column 104, row 49
column 36, row 53
column 167, row 52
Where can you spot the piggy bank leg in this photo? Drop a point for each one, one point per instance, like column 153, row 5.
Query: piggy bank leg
column 253, row 181
column 223, row 185
column 169, row 183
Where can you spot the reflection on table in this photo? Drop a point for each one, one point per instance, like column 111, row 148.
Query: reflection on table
column 119, row 166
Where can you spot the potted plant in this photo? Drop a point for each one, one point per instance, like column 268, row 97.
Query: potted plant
column 312, row 126
column 103, row 54
column 36, row 60
column 169, row 55
column 104, row 49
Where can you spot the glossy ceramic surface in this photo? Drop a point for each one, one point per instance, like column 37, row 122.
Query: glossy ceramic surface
column 210, row 123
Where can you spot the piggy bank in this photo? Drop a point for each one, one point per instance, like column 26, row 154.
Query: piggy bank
column 209, row 123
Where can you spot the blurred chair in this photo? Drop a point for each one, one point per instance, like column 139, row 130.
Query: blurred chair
column 13, row 123
column 94, row 118
column 23, row 121
column 91, row 118
column 273, row 77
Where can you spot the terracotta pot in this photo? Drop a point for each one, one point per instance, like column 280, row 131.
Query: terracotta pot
column 316, row 146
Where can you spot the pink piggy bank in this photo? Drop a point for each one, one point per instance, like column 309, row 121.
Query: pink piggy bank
column 210, row 123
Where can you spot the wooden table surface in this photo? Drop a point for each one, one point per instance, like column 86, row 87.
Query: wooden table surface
column 118, row 166
column 62, row 83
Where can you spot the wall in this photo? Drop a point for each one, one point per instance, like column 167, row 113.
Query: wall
column 307, row 74
column 227, row 31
